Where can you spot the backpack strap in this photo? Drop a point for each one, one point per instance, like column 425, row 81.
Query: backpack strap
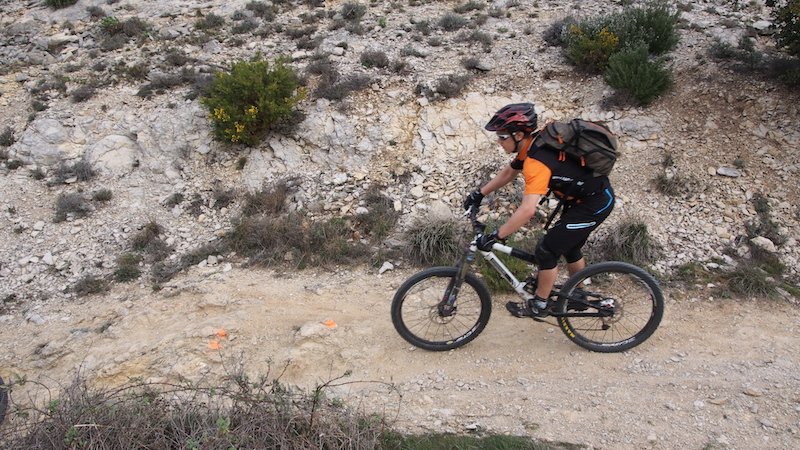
column 553, row 214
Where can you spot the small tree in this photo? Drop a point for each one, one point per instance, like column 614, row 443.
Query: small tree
column 251, row 99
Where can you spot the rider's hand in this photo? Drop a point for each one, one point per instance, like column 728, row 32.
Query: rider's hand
column 473, row 199
column 486, row 241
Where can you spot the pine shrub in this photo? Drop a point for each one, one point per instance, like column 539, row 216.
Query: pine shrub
column 252, row 98
column 633, row 72
column 653, row 25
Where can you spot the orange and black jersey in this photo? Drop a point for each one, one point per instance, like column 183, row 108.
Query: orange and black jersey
column 543, row 171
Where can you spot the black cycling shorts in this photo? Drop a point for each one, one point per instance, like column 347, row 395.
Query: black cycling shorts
column 578, row 219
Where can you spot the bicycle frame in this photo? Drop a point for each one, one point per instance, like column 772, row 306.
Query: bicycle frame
column 447, row 305
column 502, row 269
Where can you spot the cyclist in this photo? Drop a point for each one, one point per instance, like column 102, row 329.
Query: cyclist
column 587, row 202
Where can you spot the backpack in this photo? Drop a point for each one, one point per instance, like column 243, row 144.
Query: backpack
column 590, row 144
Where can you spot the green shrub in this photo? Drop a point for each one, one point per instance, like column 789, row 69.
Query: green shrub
column 128, row 267
column 590, row 43
column 90, row 284
column 434, row 242
column 262, row 10
column 352, row 11
column 652, row 25
column 745, row 54
column 80, row 170
column 72, row 204
column 245, row 26
column 380, row 217
column 331, row 242
column 632, row 72
column 37, row 173
column 423, row 26
column 451, row 22
column 374, row 58
column 174, row 200
column 209, row 22
column 7, row 137
column 787, row 20
column 763, row 224
column 670, row 185
column 787, row 70
column 471, row 5
column 270, row 200
column 270, row 240
column 251, row 99
column 13, row 164
column 692, row 272
column 590, row 49
column 751, row 281
column 554, row 33
column 630, row 241
column 222, row 197
column 147, row 234
column 451, row 85
column 102, row 195
column 95, row 12
column 110, row 25
column 82, row 93
column 58, row 4
column 339, row 90
column 476, row 36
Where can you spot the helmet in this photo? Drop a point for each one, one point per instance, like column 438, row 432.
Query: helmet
column 514, row 117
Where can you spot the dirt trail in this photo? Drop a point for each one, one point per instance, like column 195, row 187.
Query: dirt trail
column 721, row 372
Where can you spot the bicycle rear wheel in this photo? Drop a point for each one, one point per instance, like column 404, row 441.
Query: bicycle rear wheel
column 418, row 317
column 629, row 299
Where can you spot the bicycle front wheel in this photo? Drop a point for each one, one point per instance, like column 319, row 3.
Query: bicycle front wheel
column 627, row 299
column 421, row 317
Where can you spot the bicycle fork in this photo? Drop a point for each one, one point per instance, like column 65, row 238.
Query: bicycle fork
column 448, row 304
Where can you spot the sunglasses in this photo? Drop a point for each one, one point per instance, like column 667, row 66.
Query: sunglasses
column 503, row 137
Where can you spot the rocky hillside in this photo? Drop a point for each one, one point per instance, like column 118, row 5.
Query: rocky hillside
column 126, row 105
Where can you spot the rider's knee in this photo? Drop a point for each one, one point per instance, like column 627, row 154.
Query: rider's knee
column 573, row 255
column 545, row 258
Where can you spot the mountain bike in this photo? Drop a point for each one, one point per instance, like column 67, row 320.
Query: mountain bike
column 606, row 307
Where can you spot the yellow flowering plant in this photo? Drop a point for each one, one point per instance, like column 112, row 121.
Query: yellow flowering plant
column 250, row 99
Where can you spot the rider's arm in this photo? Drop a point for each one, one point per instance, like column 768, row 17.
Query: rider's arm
column 521, row 216
column 502, row 178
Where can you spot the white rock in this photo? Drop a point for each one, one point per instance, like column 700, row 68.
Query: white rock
column 48, row 259
column 35, row 319
column 385, row 266
column 729, row 172
column 763, row 243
